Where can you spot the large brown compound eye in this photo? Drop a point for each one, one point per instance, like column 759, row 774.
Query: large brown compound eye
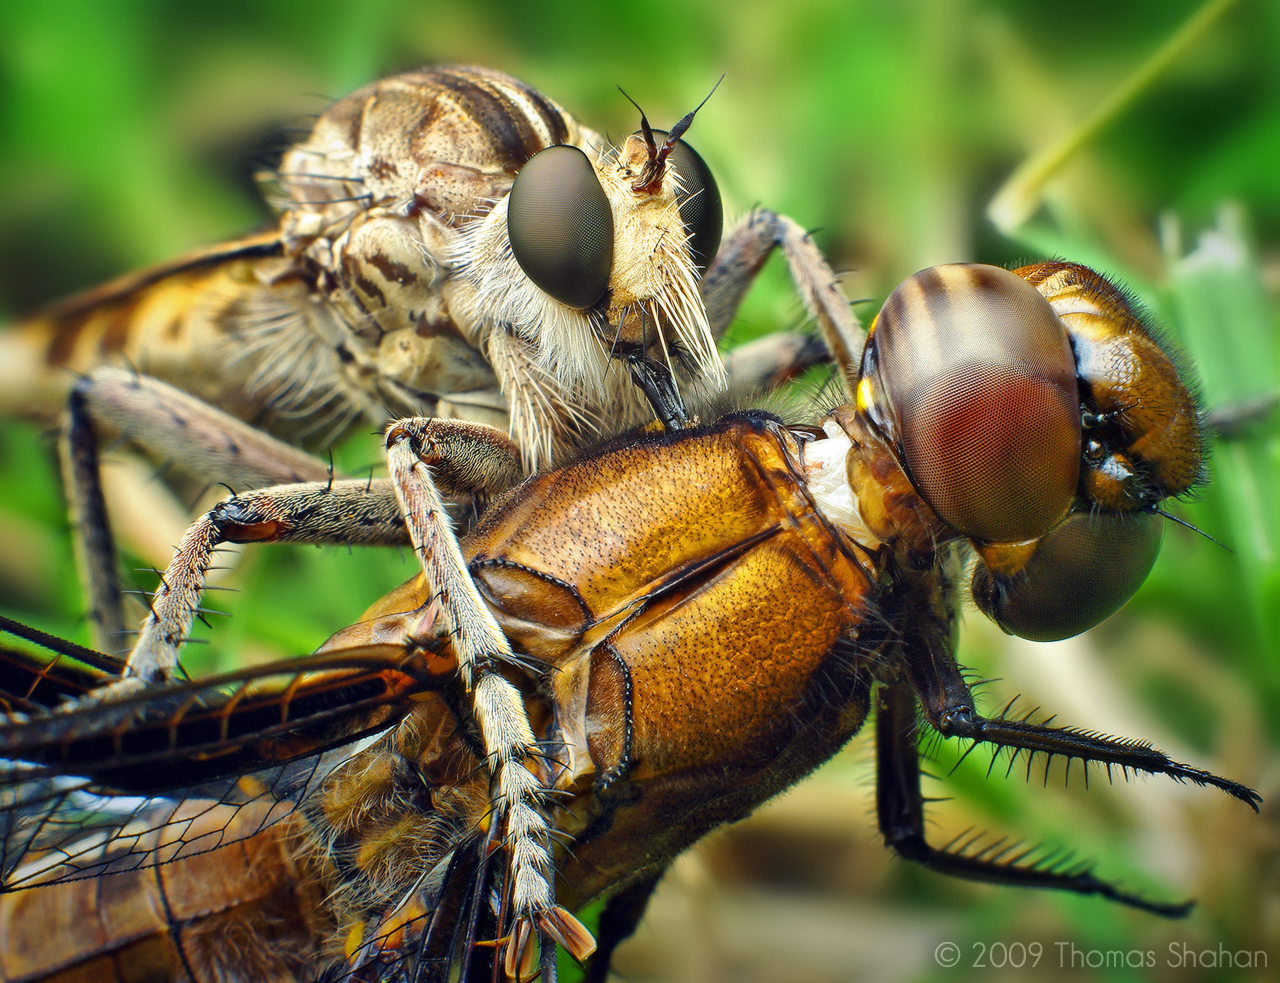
column 1081, row 573
column 561, row 227
column 977, row 375
column 701, row 209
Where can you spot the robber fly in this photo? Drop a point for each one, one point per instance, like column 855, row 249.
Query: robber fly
column 451, row 243
column 626, row 652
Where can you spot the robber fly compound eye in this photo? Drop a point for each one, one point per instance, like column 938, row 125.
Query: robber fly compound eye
column 561, row 227
column 701, row 209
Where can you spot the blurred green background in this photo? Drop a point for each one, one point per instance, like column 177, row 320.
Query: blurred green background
column 130, row 131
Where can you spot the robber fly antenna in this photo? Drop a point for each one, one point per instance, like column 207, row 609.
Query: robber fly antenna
column 644, row 125
column 650, row 179
column 682, row 127
column 1183, row 522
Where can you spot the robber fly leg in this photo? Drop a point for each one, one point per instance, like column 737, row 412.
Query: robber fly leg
column 766, row 363
column 168, row 425
column 900, row 808
column 347, row 513
column 743, row 253
column 203, row 441
column 416, row 449
column 95, row 546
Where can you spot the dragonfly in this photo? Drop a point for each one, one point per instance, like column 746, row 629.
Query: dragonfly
column 626, row 652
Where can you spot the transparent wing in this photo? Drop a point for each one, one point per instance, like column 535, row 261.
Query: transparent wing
column 96, row 782
column 112, row 782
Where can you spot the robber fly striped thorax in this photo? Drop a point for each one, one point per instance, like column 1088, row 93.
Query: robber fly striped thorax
column 626, row 652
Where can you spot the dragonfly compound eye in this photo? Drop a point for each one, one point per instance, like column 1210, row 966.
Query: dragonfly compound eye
column 700, row 206
column 561, row 227
column 1079, row 574
column 972, row 373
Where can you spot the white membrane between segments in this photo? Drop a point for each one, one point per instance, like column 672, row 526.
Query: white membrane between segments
column 824, row 467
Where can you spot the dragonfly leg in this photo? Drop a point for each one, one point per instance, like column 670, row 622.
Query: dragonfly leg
column 948, row 706
column 900, row 807
column 618, row 921
column 933, row 682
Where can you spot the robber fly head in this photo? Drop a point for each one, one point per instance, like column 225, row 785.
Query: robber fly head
column 597, row 253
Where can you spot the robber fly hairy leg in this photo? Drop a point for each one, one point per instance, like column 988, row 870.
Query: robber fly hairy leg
column 92, row 539
column 341, row 513
column 742, row 255
column 415, row 448
column 167, row 424
column 171, row 424
column 766, row 363
column 346, row 512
